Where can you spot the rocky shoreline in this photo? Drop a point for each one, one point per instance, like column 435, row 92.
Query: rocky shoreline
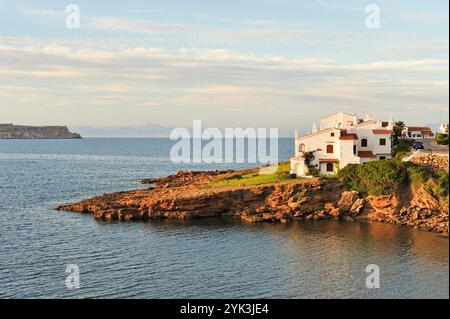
column 187, row 195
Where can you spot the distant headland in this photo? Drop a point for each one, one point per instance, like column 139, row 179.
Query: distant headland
column 11, row 131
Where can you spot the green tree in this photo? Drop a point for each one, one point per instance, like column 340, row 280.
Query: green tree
column 399, row 126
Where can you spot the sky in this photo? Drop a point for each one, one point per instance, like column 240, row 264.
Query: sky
column 137, row 66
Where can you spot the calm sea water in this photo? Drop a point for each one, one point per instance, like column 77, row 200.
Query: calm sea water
column 184, row 259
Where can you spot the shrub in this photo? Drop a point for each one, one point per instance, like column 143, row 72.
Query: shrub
column 442, row 139
column 386, row 177
column 403, row 145
column 309, row 157
column 374, row 178
column 313, row 170
column 417, row 174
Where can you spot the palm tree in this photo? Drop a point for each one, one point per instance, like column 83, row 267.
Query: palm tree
column 398, row 129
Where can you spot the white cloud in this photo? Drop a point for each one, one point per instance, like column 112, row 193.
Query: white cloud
column 136, row 83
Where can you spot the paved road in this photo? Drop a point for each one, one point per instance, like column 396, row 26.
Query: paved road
column 432, row 147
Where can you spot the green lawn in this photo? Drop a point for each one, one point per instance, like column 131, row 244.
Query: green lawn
column 254, row 178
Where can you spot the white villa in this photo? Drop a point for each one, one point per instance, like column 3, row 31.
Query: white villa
column 342, row 139
column 417, row 132
column 443, row 128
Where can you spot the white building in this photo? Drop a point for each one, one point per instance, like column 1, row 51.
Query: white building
column 417, row 132
column 443, row 128
column 342, row 139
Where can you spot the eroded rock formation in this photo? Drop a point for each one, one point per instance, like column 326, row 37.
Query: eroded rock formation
column 187, row 195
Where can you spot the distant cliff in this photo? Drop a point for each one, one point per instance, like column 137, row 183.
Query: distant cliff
column 10, row 131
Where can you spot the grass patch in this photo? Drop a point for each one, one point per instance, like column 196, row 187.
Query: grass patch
column 254, row 178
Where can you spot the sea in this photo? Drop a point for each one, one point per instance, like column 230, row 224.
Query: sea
column 50, row 254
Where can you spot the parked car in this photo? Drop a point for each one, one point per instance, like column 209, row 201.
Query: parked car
column 417, row 145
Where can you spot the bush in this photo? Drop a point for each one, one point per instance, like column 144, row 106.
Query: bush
column 386, row 177
column 437, row 186
column 374, row 178
column 313, row 170
column 418, row 175
column 442, row 139
column 309, row 157
column 403, row 145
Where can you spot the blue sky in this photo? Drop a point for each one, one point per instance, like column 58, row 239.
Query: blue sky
column 258, row 63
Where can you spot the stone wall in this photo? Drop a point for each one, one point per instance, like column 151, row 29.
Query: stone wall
column 436, row 161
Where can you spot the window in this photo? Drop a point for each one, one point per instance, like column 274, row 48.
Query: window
column 354, row 149
column 302, row 147
column 330, row 167
column 364, row 142
column 332, row 134
column 382, row 141
column 330, row 149
column 384, row 124
column 382, row 158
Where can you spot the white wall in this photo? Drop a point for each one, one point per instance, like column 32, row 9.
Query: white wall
column 346, row 153
column 344, row 120
column 318, row 143
column 382, row 149
column 343, row 149
column 323, row 168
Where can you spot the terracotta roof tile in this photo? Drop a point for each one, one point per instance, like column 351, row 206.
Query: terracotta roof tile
column 365, row 154
column 418, row 128
column 328, row 160
column 382, row 131
column 348, row 136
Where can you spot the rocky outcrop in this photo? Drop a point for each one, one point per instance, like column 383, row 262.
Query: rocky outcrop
column 417, row 209
column 347, row 200
column 273, row 202
column 10, row 131
column 188, row 195
column 191, row 178
column 435, row 161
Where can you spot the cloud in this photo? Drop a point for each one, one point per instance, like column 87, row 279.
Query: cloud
column 137, row 83
column 43, row 12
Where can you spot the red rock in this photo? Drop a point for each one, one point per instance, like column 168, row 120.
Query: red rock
column 336, row 212
column 347, row 200
column 357, row 207
column 184, row 196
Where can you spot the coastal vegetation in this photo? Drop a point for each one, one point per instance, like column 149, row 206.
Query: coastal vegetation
column 442, row 139
column 417, row 200
column 403, row 145
column 399, row 126
column 390, row 176
column 400, row 145
column 253, row 177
